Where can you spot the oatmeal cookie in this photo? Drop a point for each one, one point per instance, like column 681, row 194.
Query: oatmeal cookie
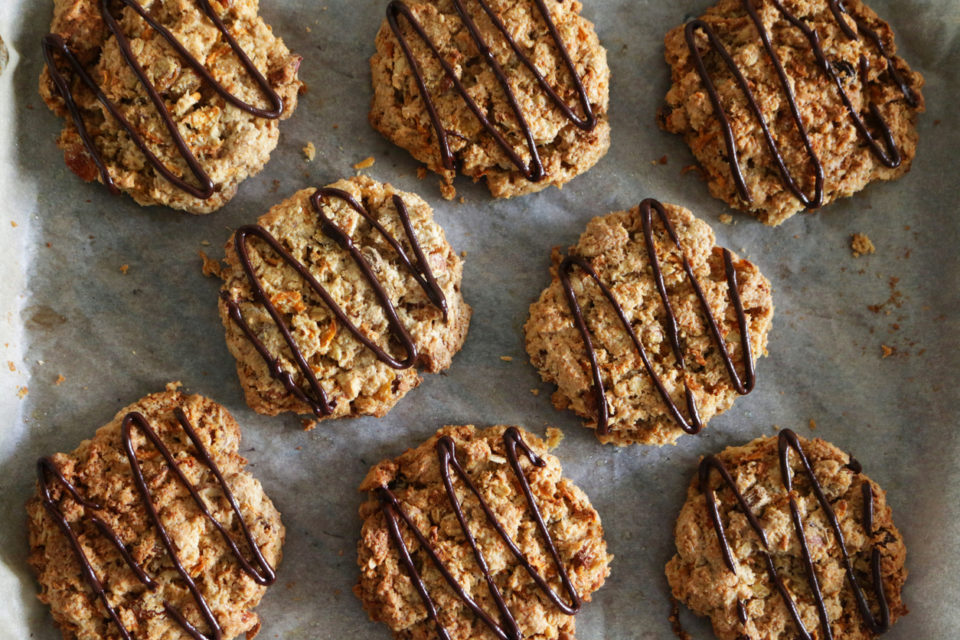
column 476, row 534
column 790, row 104
column 191, row 92
column 750, row 537
column 153, row 527
column 647, row 349
column 533, row 114
column 338, row 297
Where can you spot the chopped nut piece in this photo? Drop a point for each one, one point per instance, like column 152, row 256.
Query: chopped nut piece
column 366, row 163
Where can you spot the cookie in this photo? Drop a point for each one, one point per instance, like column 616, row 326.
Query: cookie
column 476, row 534
column 786, row 538
column 648, row 329
column 338, row 297
column 513, row 92
column 153, row 529
column 174, row 102
column 790, row 104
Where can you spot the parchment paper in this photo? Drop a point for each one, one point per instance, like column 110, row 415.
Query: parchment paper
column 67, row 309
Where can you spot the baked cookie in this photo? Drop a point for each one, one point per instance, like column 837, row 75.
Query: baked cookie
column 648, row 329
column 153, row 529
column 475, row 534
column 338, row 297
column 174, row 102
column 785, row 538
column 514, row 92
column 790, row 104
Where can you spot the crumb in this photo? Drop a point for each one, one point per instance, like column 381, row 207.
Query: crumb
column 535, row 392
column 308, row 425
column 205, row 243
column 124, row 268
column 59, row 380
column 662, row 160
column 336, row 126
column 936, row 122
column 692, row 168
column 366, row 163
column 463, row 254
column 726, row 218
column 421, row 173
column 210, row 266
column 813, row 424
column 171, row 386
column 12, row 223
column 49, row 245
column 507, row 358
column 447, row 191
column 275, row 185
column 22, row 392
column 887, row 351
column 462, row 200
column 776, row 427
column 861, row 245
column 308, row 29
column 553, row 437
column 310, row 152
column 12, row 366
column 674, row 619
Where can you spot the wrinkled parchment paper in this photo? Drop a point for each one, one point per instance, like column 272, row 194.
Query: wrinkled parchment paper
column 67, row 309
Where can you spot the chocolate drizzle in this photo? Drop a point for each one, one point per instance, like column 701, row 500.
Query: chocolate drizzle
column 888, row 155
column 54, row 44
column 694, row 424
column 534, row 171
column 262, row 573
column 316, row 398
column 507, row 628
column 788, row 441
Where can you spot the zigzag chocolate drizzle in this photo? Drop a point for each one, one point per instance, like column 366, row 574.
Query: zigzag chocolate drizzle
column 888, row 156
column 743, row 387
column 788, row 440
column 534, row 171
column 507, row 628
column 54, row 44
column 262, row 574
column 316, row 399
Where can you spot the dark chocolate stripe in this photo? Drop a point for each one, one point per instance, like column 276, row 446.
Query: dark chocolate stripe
column 262, row 573
column 316, row 398
column 694, row 425
column 54, row 44
column 507, row 628
column 788, row 440
column 534, row 171
column 888, row 156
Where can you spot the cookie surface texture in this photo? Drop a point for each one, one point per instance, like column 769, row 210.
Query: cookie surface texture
column 145, row 594
column 411, row 528
column 325, row 368
column 539, row 133
column 616, row 248
column 822, row 76
column 745, row 602
column 221, row 142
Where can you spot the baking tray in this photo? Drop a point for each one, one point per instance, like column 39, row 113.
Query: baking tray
column 67, row 309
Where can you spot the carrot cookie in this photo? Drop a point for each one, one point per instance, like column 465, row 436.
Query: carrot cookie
column 786, row 538
column 153, row 529
column 648, row 329
column 475, row 534
column 175, row 102
column 338, row 297
column 514, row 92
column 791, row 104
